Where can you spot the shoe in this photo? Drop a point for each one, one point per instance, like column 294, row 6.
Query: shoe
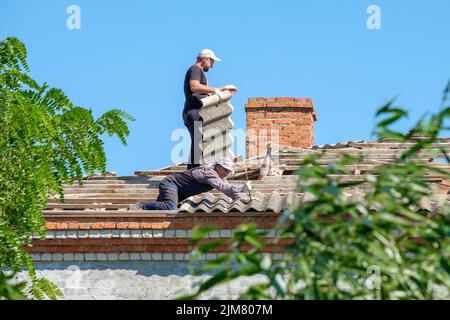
column 136, row 206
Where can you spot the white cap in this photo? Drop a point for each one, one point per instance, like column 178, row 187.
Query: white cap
column 225, row 163
column 207, row 53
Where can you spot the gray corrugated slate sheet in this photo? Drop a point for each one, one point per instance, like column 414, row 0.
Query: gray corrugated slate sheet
column 339, row 145
column 385, row 143
column 217, row 140
column 260, row 202
column 276, row 202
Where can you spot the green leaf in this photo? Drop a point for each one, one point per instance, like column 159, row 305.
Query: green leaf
column 199, row 232
column 215, row 280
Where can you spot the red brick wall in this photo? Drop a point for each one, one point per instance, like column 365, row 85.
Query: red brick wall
column 67, row 237
column 284, row 121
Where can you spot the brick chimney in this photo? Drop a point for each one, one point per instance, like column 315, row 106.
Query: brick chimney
column 283, row 121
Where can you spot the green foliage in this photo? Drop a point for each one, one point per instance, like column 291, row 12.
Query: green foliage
column 376, row 247
column 45, row 141
column 10, row 290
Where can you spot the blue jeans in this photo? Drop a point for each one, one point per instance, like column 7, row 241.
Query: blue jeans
column 167, row 198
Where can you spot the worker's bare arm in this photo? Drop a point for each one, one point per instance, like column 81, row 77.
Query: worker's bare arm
column 197, row 87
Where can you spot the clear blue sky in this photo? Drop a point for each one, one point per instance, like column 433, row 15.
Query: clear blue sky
column 133, row 55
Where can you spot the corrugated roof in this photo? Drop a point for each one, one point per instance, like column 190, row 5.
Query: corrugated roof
column 261, row 202
column 116, row 193
column 338, row 144
column 276, row 202
column 380, row 144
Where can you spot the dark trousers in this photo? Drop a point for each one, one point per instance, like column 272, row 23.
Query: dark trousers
column 189, row 119
column 167, row 198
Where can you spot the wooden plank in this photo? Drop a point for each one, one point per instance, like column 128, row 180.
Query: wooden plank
column 172, row 214
column 110, row 191
column 106, row 214
column 238, row 168
column 362, row 168
column 154, row 172
column 336, row 156
column 82, row 206
column 394, row 145
column 95, row 195
column 110, row 185
column 127, row 179
column 105, row 200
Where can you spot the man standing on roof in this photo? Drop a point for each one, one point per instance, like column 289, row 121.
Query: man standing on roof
column 195, row 88
column 180, row 185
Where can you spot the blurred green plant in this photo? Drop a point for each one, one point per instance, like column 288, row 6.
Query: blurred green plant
column 379, row 246
column 10, row 289
column 45, row 141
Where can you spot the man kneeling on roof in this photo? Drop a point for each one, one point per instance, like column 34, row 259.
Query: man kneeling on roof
column 180, row 185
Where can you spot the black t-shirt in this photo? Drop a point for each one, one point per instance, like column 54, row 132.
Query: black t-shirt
column 192, row 98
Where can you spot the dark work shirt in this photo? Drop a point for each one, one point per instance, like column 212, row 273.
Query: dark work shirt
column 186, row 184
column 202, row 179
column 192, row 98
